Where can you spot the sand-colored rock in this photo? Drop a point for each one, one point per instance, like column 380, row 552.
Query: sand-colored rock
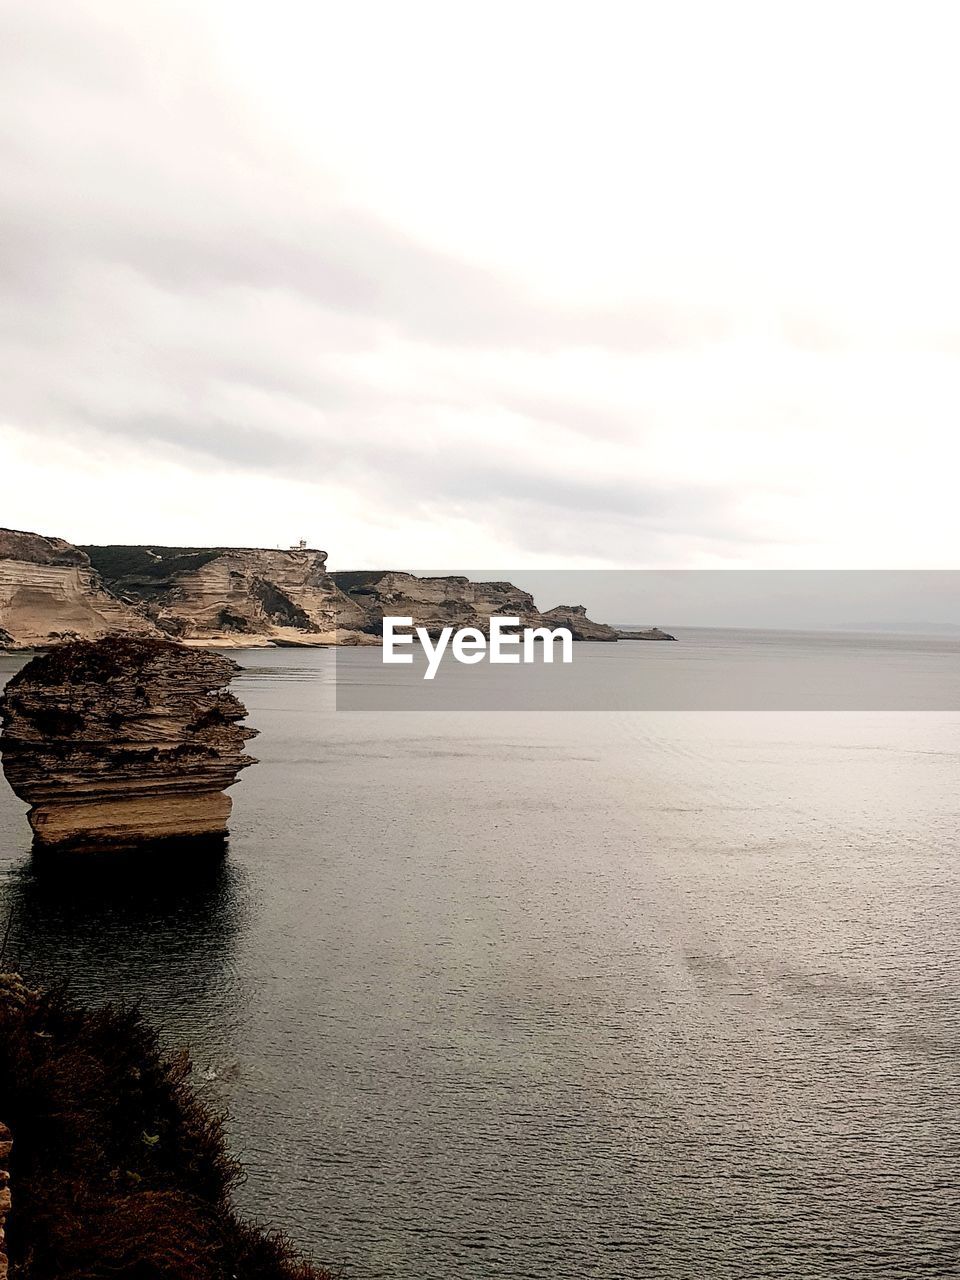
column 50, row 592
column 233, row 597
column 574, row 617
column 645, row 633
column 438, row 602
column 123, row 740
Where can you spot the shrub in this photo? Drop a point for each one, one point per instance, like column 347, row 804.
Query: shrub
column 119, row 1169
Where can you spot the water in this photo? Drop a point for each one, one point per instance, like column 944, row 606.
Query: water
column 518, row 995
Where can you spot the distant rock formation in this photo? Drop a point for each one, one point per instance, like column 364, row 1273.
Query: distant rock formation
column 574, row 616
column 232, row 596
column 435, row 603
column 645, row 633
column 236, row 597
column 123, row 740
column 50, row 592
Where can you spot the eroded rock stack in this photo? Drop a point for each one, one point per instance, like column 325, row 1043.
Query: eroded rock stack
column 123, row 740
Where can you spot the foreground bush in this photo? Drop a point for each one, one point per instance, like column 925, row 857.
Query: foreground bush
column 118, row 1169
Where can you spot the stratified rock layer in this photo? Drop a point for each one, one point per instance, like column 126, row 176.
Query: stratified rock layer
column 234, row 596
column 574, row 617
column 435, row 603
column 50, row 592
column 123, row 740
column 645, row 633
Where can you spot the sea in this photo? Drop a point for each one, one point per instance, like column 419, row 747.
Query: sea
column 610, row 993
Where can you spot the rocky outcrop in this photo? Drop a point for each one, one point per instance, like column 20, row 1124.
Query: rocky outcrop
column 236, row 597
column 574, row 616
column 232, row 596
column 123, row 740
column 49, row 592
column 435, row 603
column 645, row 633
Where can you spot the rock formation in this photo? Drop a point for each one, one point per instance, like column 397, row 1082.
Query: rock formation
column 574, row 616
column 123, row 740
column 436, row 603
column 50, row 592
column 645, row 633
column 233, row 596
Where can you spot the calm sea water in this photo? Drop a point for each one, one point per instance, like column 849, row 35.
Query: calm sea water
column 541, row 995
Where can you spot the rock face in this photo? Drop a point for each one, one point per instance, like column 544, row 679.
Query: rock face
column 646, row 633
column 581, row 627
column 50, row 592
column 234, row 597
column 123, row 740
column 435, row 603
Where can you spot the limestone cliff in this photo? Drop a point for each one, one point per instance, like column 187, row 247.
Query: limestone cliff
column 49, row 591
column 574, row 616
column 123, row 740
column 435, row 603
column 645, row 633
column 234, row 596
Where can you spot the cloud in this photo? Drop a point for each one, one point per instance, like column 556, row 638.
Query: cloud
column 228, row 267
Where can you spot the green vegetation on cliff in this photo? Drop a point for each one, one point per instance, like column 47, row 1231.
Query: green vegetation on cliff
column 116, row 563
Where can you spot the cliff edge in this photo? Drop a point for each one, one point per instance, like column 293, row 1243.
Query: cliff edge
column 234, row 596
column 438, row 602
column 49, row 591
column 238, row 597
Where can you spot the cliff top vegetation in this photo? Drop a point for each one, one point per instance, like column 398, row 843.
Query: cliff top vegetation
column 118, row 1168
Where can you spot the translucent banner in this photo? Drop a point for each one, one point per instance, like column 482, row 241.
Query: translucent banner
column 617, row 640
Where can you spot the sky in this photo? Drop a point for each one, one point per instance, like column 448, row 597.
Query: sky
column 550, row 285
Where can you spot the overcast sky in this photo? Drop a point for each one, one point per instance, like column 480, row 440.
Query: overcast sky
column 517, row 284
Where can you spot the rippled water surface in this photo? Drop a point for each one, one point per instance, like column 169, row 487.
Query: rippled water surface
column 527, row 995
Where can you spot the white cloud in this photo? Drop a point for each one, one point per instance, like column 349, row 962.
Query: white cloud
column 623, row 283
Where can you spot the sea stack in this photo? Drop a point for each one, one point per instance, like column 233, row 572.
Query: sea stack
column 122, row 741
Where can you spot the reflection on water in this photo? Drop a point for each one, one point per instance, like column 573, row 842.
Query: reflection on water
column 158, row 930
column 610, row 995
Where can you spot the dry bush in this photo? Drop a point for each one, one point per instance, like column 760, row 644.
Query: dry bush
column 119, row 1171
